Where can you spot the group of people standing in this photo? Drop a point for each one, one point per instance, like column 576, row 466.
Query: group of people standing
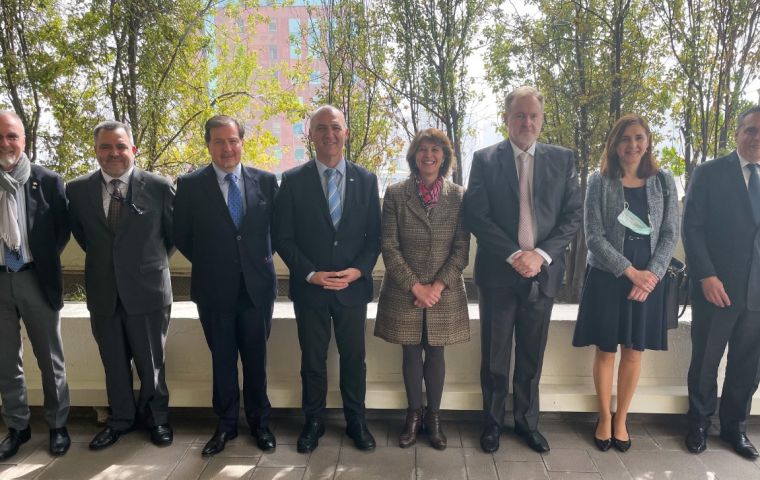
column 523, row 205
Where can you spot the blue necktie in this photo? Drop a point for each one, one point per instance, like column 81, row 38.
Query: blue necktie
column 753, row 187
column 13, row 259
column 333, row 196
column 234, row 199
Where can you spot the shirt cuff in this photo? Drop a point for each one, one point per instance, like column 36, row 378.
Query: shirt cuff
column 546, row 256
column 308, row 277
column 511, row 258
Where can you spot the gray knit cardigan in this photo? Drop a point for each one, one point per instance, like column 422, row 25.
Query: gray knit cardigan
column 605, row 235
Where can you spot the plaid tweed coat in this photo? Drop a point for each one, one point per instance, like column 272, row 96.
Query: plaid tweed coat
column 421, row 248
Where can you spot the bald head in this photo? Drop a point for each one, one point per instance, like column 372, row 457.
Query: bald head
column 328, row 133
column 12, row 139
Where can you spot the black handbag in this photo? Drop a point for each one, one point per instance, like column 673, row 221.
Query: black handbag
column 674, row 282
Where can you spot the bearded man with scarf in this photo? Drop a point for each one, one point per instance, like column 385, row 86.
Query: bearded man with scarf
column 34, row 229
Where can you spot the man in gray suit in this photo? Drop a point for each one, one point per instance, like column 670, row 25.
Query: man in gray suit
column 523, row 204
column 721, row 235
column 34, row 228
column 121, row 216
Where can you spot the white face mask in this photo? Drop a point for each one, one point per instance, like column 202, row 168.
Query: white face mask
column 629, row 219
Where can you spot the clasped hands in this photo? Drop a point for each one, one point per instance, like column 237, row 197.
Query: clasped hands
column 425, row 296
column 643, row 281
column 335, row 280
column 527, row 263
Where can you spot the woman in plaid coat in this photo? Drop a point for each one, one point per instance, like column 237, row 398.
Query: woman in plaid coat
column 423, row 304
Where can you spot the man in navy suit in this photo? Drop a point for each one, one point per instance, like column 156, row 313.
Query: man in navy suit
column 721, row 235
column 523, row 204
column 222, row 218
column 327, row 229
column 34, row 228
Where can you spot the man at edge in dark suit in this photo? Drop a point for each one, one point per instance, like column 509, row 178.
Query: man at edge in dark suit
column 121, row 216
column 523, row 205
column 327, row 229
column 222, row 218
column 721, row 236
column 34, row 228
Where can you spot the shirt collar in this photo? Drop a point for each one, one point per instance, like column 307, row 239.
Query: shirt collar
column 221, row 175
column 124, row 178
column 340, row 167
column 517, row 150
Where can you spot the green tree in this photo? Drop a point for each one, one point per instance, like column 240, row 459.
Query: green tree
column 593, row 61
column 344, row 36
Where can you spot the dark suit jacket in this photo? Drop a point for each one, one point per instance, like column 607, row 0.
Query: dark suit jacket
column 205, row 233
column 492, row 212
column 132, row 264
column 308, row 242
column 719, row 234
column 47, row 223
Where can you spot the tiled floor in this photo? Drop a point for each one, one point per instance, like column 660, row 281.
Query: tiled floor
column 657, row 453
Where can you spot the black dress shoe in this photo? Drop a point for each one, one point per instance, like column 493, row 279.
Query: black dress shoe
column 741, row 444
column 489, row 439
column 621, row 445
column 59, row 441
column 264, row 438
column 534, row 439
column 217, row 442
column 162, row 435
column 696, row 439
column 107, row 437
column 15, row 438
column 309, row 438
column 359, row 433
column 602, row 445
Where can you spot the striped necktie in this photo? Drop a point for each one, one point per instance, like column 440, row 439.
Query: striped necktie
column 333, row 196
column 234, row 200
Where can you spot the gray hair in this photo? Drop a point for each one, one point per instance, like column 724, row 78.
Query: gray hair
column 12, row 114
column 520, row 92
column 220, row 121
column 112, row 125
column 746, row 113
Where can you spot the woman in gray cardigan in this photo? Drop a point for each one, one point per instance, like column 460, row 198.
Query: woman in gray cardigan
column 631, row 226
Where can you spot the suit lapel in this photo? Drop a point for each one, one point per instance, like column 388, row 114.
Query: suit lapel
column 251, row 181
column 508, row 165
column 413, row 201
column 95, row 191
column 540, row 170
column 214, row 193
column 315, row 184
column 31, row 194
column 737, row 184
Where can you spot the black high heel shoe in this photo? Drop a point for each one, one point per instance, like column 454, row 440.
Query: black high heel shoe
column 602, row 445
column 621, row 445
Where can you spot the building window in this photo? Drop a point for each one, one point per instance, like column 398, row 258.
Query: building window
column 278, row 153
column 299, row 154
column 294, row 29
column 314, row 78
column 277, row 129
column 298, row 128
column 273, row 52
column 272, row 25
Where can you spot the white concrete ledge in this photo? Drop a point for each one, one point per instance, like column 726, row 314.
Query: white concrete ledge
column 566, row 383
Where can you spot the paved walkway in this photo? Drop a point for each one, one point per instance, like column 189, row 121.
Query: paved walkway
column 657, row 453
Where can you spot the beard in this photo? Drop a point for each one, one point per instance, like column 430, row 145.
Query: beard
column 7, row 160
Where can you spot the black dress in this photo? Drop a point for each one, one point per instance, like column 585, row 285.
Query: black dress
column 606, row 318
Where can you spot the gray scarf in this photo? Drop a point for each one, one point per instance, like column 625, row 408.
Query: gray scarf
column 11, row 184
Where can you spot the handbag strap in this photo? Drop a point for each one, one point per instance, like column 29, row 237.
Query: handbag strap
column 666, row 193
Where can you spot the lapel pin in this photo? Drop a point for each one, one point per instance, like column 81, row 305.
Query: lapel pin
column 34, row 185
column 350, row 179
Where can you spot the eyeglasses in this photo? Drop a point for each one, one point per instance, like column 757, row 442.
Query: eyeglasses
column 12, row 138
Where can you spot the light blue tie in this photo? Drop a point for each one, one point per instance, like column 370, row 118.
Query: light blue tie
column 333, row 196
column 753, row 186
column 13, row 260
column 234, row 199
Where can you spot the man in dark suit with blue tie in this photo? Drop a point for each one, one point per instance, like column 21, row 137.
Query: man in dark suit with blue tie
column 721, row 236
column 327, row 230
column 34, row 228
column 222, row 219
